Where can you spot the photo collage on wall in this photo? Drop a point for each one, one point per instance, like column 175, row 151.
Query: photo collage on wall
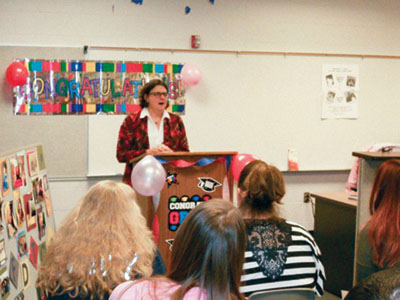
column 26, row 216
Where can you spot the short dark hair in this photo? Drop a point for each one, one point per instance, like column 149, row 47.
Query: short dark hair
column 146, row 89
column 208, row 250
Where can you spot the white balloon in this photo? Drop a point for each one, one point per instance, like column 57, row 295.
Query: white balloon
column 148, row 176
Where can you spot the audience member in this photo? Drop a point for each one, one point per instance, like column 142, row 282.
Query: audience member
column 280, row 254
column 382, row 285
column 378, row 245
column 206, row 262
column 103, row 241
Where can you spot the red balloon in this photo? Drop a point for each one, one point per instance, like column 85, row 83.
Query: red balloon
column 239, row 161
column 16, row 73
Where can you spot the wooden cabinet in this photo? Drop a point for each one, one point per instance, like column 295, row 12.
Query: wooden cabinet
column 334, row 230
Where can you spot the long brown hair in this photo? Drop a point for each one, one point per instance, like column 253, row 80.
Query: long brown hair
column 384, row 207
column 263, row 187
column 208, row 251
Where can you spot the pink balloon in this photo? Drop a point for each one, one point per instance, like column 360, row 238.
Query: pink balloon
column 239, row 161
column 191, row 75
column 148, row 176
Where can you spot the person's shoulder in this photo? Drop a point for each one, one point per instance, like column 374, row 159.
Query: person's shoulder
column 195, row 293
column 298, row 229
column 143, row 289
column 364, row 234
column 301, row 234
column 296, row 226
column 365, row 228
column 174, row 117
column 134, row 115
column 133, row 118
column 125, row 290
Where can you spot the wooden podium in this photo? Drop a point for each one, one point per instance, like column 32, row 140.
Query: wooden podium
column 192, row 177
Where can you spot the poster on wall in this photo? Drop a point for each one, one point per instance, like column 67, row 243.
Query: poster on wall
column 340, row 86
column 93, row 87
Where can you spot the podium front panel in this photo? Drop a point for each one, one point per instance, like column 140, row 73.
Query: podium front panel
column 184, row 190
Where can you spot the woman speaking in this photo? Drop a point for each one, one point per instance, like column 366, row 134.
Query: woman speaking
column 152, row 130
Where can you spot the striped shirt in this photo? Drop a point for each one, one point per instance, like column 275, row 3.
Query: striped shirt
column 294, row 262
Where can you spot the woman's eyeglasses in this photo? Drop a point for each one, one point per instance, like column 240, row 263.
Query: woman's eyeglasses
column 158, row 94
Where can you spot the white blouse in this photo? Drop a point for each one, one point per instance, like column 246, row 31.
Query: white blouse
column 156, row 135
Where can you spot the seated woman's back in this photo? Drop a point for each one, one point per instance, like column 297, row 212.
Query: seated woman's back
column 157, row 288
column 382, row 285
column 378, row 245
column 280, row 254
column 206, row 260
column 103, row 241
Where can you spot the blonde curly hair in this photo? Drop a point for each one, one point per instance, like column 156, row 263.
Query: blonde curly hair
column 95, row 244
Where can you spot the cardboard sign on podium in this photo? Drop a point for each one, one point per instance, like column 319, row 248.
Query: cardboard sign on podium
column 192, row 178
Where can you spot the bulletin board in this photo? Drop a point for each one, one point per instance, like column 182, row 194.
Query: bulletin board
column 27, row 220
column 265, row 105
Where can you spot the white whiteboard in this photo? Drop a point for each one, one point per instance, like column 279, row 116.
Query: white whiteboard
column 264, row 105
column 102, row 137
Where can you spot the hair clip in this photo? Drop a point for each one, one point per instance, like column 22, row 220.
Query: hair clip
column 387, row 149
column 129, row 267
column 92, row 271
column 102, row 267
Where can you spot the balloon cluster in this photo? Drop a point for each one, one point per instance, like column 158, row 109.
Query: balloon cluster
column 17, row 73
column 239, row 161
column 190, row 75
column 148, row 176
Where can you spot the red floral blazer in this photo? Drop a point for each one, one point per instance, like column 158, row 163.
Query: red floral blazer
column 133, row 139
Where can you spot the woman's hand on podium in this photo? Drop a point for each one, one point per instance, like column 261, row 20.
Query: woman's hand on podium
column 160, row 149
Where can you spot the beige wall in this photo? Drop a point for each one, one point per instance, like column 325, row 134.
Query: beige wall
column 340, row 26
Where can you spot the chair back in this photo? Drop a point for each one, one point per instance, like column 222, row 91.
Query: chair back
column 284, row 294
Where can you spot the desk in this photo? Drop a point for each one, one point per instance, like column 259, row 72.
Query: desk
column 334, row 229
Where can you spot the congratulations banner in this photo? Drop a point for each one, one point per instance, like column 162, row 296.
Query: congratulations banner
column 90, row 87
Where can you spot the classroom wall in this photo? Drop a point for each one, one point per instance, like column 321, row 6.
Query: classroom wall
column 63, row 137
column 66, row 192
column 339, row 26
column 275, row 25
